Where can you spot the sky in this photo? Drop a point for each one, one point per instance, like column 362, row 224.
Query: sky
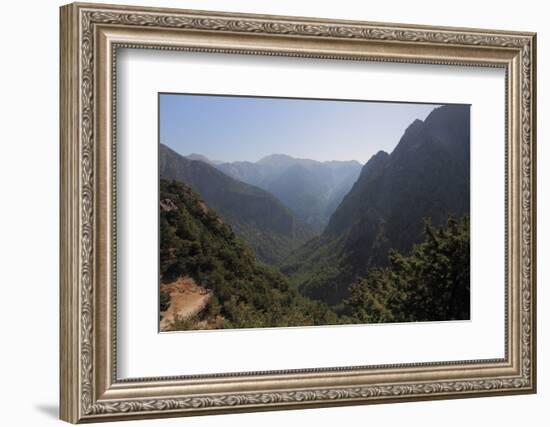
column 233, row 128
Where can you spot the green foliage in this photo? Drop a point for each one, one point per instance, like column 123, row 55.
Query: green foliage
column 255, row 215
column 319, row 270
column 195, row 242
column 432, row 283
column 183, row 324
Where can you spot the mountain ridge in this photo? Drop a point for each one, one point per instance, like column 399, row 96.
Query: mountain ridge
column 425, row 176
column 309, row 188
column 229, row 287
column 255, row 215
column 200, row 157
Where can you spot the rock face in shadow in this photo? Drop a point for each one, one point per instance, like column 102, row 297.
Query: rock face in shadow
column 427, row 176
column 258, row 217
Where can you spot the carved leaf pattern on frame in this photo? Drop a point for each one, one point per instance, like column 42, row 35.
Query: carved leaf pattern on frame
column 89, row 18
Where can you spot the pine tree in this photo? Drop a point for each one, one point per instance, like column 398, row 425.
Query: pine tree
column 431, row 283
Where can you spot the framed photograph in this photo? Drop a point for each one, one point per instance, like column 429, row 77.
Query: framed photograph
column 266, row 212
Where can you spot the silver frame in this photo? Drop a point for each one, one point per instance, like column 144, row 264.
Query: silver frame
column 90, row 37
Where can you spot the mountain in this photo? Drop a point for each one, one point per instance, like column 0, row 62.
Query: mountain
column 201, row 255
column 255, row 215
column 311, row 189
column 427, row 176
column 200, row 157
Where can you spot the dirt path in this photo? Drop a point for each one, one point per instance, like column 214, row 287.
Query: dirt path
column 187, row 299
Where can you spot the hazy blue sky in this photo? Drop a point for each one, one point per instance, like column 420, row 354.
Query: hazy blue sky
column 230, row 128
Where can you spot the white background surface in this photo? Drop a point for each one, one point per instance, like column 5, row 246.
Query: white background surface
column 29, row 171
column 140, row 346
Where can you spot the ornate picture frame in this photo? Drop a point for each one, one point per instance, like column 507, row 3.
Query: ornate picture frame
column 90, row 37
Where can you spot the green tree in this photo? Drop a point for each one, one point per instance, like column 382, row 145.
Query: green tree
column 431, row 283
column 196, row 243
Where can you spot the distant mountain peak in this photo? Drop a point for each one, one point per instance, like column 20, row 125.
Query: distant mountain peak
column 275, row 158
column 197, row 156
column 202, row 158
column 285, row 158
column 342, row 162
column 310, row 188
